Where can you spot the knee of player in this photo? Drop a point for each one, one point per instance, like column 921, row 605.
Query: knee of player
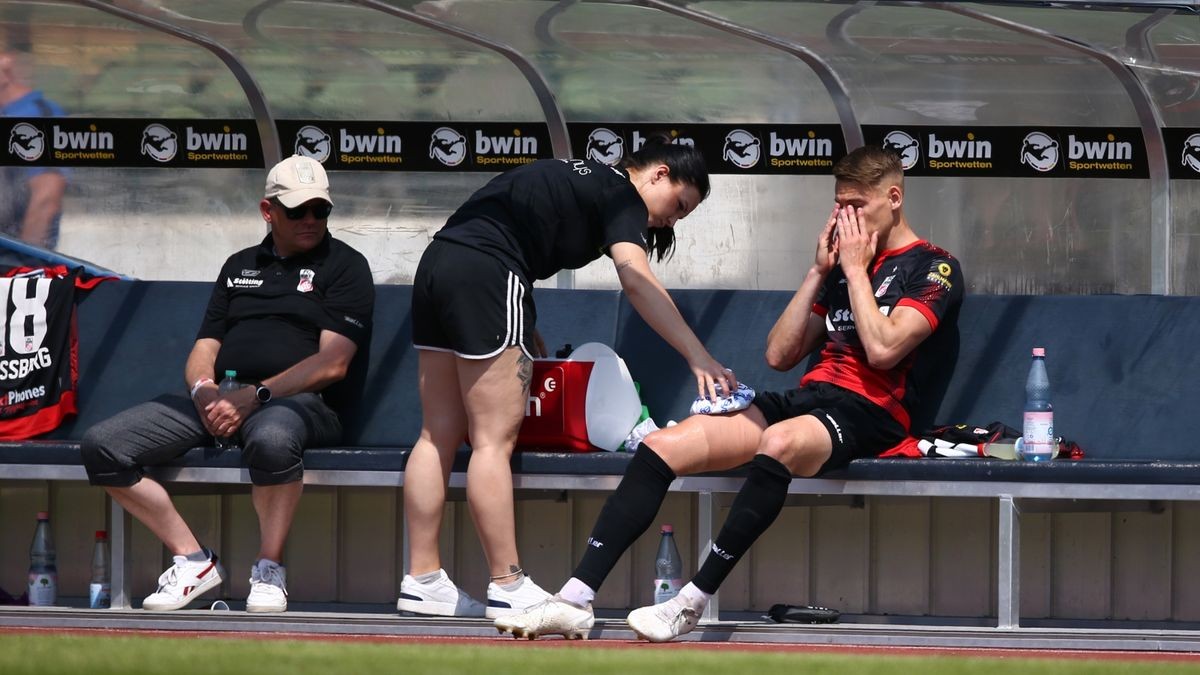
column 667, row 444
column 794, row 450
column 776, row 444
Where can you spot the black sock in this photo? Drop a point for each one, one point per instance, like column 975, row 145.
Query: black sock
column 754, row 509
column 625, row 516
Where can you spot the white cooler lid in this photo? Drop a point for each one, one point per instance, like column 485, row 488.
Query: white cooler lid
column 613, row 406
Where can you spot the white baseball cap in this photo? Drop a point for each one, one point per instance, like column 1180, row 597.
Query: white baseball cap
column 296, row 180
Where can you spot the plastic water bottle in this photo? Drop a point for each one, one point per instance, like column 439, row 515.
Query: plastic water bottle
column 668, row 567
column 100, row 589
column 228, row 383
column 43, row 568
column 1037, row 440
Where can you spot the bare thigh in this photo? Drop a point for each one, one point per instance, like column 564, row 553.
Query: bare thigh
column 494, row 392
column 710, row 442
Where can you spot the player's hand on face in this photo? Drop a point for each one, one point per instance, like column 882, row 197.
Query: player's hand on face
column 827, row 255
column 856, row 246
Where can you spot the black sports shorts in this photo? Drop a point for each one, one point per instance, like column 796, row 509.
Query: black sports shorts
column 858, row 427
column 468, row 302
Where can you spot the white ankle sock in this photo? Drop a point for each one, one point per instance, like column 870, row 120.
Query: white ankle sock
column 577, row 592
column 428, row 577
column 695, row 597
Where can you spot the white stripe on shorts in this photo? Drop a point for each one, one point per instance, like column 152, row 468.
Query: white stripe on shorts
column 514, row 320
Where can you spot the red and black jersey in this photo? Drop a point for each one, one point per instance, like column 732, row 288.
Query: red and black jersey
column 921, row 276
column 39, row 362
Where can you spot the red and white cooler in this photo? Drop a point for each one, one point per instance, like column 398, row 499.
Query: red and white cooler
column 582, row 403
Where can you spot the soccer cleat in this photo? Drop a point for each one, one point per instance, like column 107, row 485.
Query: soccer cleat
column 268, row 587
column 439, row 597
column 183, row 582
column 506, row 603
column 552, row 616
column 665, row 621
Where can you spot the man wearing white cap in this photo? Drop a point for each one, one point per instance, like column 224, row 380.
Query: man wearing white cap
column 288, row 315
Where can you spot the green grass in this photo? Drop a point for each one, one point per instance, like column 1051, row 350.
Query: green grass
column 42, row 654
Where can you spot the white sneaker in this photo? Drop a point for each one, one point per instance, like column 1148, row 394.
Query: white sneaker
column 183, row 582
column 506, row 603
column 552, row 616
column 439, row 597
column 665, row 621
column 268, row 587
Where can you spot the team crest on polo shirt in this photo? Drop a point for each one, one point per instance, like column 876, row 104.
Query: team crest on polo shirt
column 306, row 280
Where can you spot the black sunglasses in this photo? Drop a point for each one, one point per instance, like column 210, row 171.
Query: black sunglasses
column 320, row 210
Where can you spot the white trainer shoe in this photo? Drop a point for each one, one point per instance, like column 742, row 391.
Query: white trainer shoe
column 665, row 621
column 553, row 616
column 268, row 587
column 439, row 597
column 183, row 582
column 506, row 603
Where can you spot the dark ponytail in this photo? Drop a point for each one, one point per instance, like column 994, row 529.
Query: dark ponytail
column 687, row 166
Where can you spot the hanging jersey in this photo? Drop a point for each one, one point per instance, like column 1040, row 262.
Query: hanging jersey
column 921, row 276
column 39, row 368
column 550, row 215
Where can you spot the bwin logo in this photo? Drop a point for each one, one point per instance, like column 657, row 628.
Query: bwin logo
column 313, row 142
column 448, row 146
column 904, row 145
column 605, row 147
column 1191, row 152
column 1039, row 151
column 26, row 141
column 160, row 143
column 742, row 149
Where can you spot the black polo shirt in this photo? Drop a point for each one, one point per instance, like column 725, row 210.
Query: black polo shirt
column 268, row 312
column 550, row 215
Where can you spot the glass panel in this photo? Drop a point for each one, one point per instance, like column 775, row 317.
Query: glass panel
column 924, row 66
column 331, row 60
column 95, row 65
column 625, row 63
column 1185, row 237
column 621, row 63
column 916, row 65
column 1173, row 76
column 1162, row 46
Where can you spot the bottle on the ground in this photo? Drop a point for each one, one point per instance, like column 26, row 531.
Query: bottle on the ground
column 1038, row 440
column 668, row 567
column 43, row 566
column 100, row 588
column 228, row 383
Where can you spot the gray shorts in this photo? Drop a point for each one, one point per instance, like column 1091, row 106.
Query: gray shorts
column 272, row 438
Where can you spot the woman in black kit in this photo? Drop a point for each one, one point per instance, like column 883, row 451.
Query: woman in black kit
column 473, row 322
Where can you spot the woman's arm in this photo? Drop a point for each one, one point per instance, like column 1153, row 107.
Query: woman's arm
column 655, row 306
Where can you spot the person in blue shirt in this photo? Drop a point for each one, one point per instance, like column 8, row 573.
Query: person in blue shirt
column 30, row 197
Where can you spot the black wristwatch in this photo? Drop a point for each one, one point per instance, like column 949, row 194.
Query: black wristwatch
column 262, row 393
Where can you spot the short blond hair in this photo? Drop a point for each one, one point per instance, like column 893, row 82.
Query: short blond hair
column 870, row 166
